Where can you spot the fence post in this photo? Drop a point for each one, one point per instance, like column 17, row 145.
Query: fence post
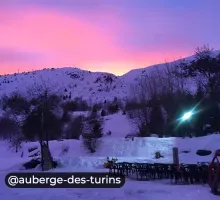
column 175, row 156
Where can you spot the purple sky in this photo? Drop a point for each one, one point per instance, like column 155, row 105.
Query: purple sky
column 103, row 35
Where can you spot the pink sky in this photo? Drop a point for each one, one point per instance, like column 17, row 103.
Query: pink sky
column 36, row 37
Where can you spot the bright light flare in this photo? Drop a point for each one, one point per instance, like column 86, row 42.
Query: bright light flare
column 187, row 116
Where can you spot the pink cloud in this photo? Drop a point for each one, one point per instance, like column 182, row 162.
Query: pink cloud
column 69, row 40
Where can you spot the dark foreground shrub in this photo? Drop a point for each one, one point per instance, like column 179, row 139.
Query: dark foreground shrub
column 31, row 164
column 203, row 152
column 185, row 151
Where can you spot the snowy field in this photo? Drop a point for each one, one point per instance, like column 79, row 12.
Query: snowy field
column 132, row 190
column 77, row 159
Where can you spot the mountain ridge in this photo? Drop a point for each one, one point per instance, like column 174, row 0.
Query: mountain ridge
column 91, row 86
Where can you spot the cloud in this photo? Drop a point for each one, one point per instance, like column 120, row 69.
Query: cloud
column 13, row 55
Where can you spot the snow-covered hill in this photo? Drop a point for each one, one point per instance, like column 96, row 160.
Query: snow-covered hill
column 92, row 86
column 80, row 83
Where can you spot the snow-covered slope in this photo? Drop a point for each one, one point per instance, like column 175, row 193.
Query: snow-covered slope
column 73, row 157
column 73, row 154
column 139, row 150
column 92, row 86
column 80, row 83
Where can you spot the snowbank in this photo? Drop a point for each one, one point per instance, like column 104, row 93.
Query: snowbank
column 72, row 153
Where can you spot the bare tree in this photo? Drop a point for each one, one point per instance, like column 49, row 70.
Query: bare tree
column 92, row 132
column 17, row 140
column 8, row 127
column 141, row 94
column 46, row 102
column 91, row 143
column 204, row 51
column 154, row 94
column 205, row 68
column 74, row 128
column 10, row 130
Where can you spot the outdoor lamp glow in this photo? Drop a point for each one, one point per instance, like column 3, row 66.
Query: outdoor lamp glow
column 187, row 116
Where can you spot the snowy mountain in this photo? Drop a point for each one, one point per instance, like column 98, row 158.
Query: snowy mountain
column 72, row 155
column 92, row 86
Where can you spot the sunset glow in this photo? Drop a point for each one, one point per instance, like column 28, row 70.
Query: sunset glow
column 103, row 36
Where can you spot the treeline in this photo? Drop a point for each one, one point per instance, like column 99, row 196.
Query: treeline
column 163, row 96
column 45, row 116
column 42, row 115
